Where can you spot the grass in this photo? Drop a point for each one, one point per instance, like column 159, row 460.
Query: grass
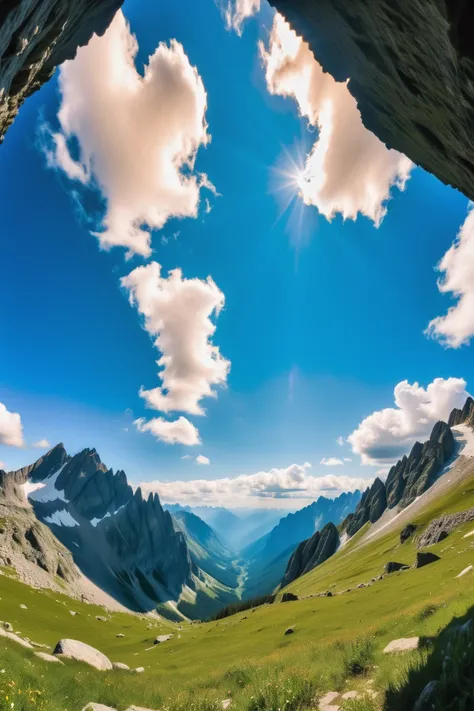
column 337, row 642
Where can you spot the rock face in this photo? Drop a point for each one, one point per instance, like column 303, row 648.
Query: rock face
column 311, row 553
column 125, row 544
column 407, row 532
column 36, row 36
column 411, row 70
column 464, row 416
column 406, row 480
column 81, row 652
column 372, row 505
column 441, row 527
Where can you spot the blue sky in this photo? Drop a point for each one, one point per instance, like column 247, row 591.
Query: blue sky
column 321, row 319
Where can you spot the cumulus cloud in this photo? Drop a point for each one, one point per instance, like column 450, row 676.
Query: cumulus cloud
column 42, row 444
column 348, row 170
column 340, row 441
column 11, row 428
column 201, row 459
column 456, row 328
column 177, row 313
column 138, row 136
column 331, row 461
column 237, row 11
column 385, row 435
column 180, row 431
column 291, row 483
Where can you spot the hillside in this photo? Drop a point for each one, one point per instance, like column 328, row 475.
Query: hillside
column 337, row 640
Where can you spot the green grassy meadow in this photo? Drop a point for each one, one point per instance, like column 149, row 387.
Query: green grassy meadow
column 336, row 643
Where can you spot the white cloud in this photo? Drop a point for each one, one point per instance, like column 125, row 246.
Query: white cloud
column 177, row 314
column 288, row 483
column 348, row 170
column 11, row 428
column 456, row 328
column 340, row 441
column 385, row 435
column 41, row 444
column 180, row 431
column 347, row 459
column 187, row 456
column 331, row 461
column 138, row 136
column 201, row 459
column 237, row 11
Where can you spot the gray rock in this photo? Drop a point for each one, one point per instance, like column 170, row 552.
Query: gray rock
column 289, row 630
column 289, row 597
column 23, row 607
column 440, row 527
column 81, row 652
column 101, row 618
column 139, row 670
column 403, row 644
column 121, row 666
column 162, row 638
column 425, row 558
column 48, row 657
column 97, row 707
column 120, row 635
column 15, row 638
column 7, row 626
column 407, row 532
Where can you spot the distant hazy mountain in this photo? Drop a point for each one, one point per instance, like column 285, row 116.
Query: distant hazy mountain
column 268, row 556
column 236, row 528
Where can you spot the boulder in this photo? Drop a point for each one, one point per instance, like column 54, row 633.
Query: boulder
column 120, row 635
column 392, row 566
column 403, row 644
column 162, row 638
column 425, row 558
column 139, row 670
column 81, row 652
column 7, row 626
column 15, row 638
column 97, row 707
column 288, row 597
column 407, row 532
column 226, row 703
column 48, row 657
column 328, row 699
column 23, row 607
column 440, row 527
column 289, row 630
column 101, row 618
column 120, row 665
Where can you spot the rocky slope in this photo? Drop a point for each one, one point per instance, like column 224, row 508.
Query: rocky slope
column 36, row 36
column 409, row 478
column 411, row 70
column 311, row 553
column 125, row 544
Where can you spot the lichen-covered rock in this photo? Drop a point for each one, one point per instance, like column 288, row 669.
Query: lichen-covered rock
column 441, row 527
column 36, row 36
column 411, row 70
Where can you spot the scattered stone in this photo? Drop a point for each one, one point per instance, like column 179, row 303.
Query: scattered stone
column 162, row 638
column 403, row 644
column 327, row 699
column 226, row 703
column 7, row 626
column 289, row 597
column 120, row 635
column 137, row 708
column 425, row 558
column 120, row 665
column 426, row 698
column 23, row 607
column 350, row 695
column 48, row 657
column 73, row 613
column 97, row 707
column 329, row 593
column 444, row 525
column 100, row 618
column 15, row 638
column 139, row 670
column 407, row 532
column 361, row 585
column 81, row 652
column 463, row 572
column 392, row 567
column 468, row 535
column 289, row 630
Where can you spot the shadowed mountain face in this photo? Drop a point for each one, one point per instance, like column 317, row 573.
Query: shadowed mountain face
column 268, row 557
column 123, row 543
column 311, row 553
